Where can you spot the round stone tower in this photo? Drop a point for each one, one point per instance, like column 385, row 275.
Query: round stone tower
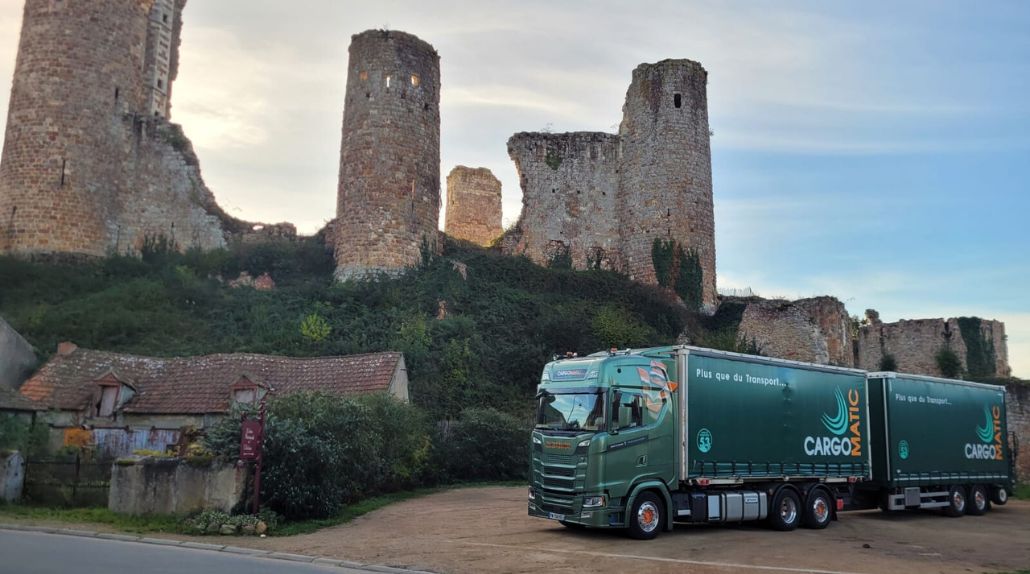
column 85, row 73
column 666, row 176
column 473, row 205
column 388, row 200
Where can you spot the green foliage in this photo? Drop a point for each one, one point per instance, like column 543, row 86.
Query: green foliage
column 485, row 444
column 981, row 355
column 888, row 363
column 20, row 435
column 948, row 362
column 122, row 522
column 615, row 327
column 678, row 270
column 553, row 159
column 315, row 328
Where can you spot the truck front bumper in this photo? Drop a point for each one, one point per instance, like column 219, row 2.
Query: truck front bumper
column 576, row 513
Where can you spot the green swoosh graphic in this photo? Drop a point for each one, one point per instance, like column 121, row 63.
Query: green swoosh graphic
column 986, row 434
column 838, row 425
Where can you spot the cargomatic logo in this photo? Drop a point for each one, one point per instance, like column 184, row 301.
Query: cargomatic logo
column 838, row 425
column 989, row 447
column 848, row 418
column 704, row 440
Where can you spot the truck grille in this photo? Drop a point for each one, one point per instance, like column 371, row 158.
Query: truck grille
column 558, row 458
column 562, row 483
column 559, row 471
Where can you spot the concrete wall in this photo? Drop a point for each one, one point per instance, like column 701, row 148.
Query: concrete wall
column 173, row 486
column 12, row 475
column 17, row 360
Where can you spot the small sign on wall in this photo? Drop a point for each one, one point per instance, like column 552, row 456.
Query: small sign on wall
column 250, row 440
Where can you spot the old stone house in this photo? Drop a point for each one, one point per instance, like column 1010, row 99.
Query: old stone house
column 118, row 403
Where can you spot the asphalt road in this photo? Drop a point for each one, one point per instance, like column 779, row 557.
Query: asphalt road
column 40, row 553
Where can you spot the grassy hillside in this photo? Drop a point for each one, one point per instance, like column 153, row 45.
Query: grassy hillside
column 502, row 322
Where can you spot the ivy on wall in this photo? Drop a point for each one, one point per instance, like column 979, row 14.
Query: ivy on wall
column 981, row 356
column 678, row 270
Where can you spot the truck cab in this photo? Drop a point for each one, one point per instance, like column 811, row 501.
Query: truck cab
column 605, row 430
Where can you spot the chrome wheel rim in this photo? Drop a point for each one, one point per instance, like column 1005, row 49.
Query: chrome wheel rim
column 980, row 499
column 788, row 510
column 647, row 516
column 1003, row 495
column 820, row 509
column 958, row 501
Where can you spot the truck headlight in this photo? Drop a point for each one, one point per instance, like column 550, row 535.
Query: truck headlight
column 531, row 495
column 584, row 443
column 593, row 501
column 536, row 440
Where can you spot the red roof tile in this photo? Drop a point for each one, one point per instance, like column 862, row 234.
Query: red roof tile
column 202, row 384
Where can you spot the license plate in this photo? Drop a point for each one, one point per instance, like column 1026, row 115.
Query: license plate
column 555, row 516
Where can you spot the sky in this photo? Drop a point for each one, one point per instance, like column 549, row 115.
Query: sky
column 874, row 151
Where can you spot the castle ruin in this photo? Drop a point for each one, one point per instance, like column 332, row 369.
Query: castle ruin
column 473, row 205
column 388, row 200
column 91, row 164
column 640, row 201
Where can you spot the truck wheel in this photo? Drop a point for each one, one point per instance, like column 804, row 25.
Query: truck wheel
column 956, row 501
column 818, row 509
column 785, row 511
column 999, row 495
column 978, row 500
column 645, row 518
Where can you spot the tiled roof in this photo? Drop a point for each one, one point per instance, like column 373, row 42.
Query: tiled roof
column 202, row 384
column 10, row 400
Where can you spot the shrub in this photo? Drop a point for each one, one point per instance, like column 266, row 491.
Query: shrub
column 888, row 363
column 948, row 363
column 485, row 444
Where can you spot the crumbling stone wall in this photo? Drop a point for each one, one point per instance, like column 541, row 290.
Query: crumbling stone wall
column 473, row 205
column 388, row 201
column 815, row 330
column 914, row 344
column 90, row 163
column 569, row 194
column 615, row 195
column 1017, row 411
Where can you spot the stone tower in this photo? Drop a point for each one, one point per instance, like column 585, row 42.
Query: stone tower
column 666, row 169
column 388, row 200
column 473, row 205
column 90, row 163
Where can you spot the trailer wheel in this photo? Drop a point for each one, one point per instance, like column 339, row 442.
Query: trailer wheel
column 785, row 510
column 956, row 501
column 818, row 509
column 999, row 495
column 645, row 519
column 979, row 502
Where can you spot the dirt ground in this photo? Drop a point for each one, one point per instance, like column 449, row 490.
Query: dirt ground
column 487, row 530
column 477, row 530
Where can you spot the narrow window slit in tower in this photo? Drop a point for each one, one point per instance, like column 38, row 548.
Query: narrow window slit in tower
column 164, row 18
column 415, row 80
column 387, row 81
column 363, row 75
column 64, row 165
column 677, row 100
column 116, row 93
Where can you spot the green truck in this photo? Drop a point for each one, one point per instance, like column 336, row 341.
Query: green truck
column 642, row 439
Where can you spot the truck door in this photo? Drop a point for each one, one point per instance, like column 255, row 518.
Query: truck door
column 640, row 449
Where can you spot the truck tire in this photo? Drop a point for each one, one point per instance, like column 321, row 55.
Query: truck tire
column 785, row 510
column 818, row 509
column 646, row 516
column 957, row 501
column 999, row 495
column 979, row 501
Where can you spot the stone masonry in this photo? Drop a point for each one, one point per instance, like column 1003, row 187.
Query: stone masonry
column 815, row 330
column 914, row 344
column 388, row 200
column 473, row 205
column 91, row 164
column 607, row 198
column 1017, row 414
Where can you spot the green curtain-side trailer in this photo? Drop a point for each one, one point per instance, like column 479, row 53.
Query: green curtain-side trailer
column 938, row 443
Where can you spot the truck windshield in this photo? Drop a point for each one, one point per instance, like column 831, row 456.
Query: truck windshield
column 570, row 412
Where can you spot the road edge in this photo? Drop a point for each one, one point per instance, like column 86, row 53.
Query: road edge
column 251, row 552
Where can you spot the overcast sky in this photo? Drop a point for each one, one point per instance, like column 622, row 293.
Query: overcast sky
column 873, row 151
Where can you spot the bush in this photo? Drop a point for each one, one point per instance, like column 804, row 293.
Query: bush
column 888, row 363
column 948, row 363
column 485, row 444
column 16, row 434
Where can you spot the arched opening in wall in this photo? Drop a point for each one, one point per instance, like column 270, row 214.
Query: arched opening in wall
column 164, row 18
column 415, row 80
column 677, row 100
